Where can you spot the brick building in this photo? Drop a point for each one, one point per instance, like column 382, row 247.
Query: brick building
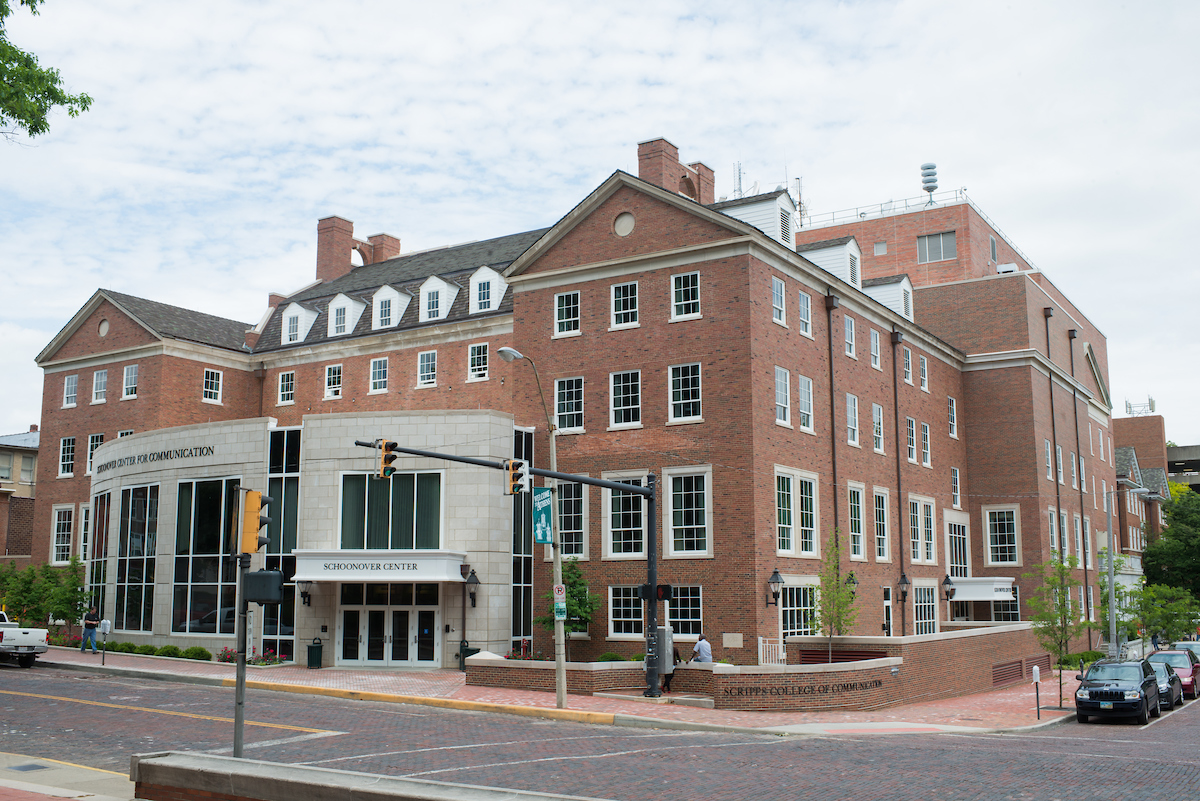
column 906, row 379
column 18, row 487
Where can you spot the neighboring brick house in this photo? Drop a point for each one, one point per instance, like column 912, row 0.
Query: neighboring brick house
column 18, row 483
column 778, row 384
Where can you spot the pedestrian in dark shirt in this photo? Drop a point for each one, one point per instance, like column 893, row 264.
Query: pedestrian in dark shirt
column 90, row 621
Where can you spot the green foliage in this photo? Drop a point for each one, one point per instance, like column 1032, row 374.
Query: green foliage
column 1071, row 661
column 40, row 593
column 68, row 598
column 1126, row 622
column 1173, row 558
column 122, row 647
column 609, row 656
column 835, row 609
column 146, row 649
column 28, row 93
column 581, row 604
column 1055, row 615
column 196, row 652
column 166, row 650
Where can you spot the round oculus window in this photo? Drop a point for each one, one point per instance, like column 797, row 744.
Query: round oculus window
column 103, row 328
column 623, row 225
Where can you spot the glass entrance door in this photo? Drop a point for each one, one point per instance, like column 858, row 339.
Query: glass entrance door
column 389, row 625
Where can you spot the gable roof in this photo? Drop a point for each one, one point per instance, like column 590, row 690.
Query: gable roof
column 27, row 440
column 1127, row 466
column 885, row 280
column 746, row 201
column 824, row 243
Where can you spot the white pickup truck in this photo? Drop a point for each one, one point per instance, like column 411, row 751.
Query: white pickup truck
column 19, row 644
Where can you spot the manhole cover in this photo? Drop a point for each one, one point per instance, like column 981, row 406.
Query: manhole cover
column 29, row 767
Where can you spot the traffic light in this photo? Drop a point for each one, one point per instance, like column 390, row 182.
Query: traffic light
column 387, row 455
column 663, row 592
column 254, row 517
column 517, row 477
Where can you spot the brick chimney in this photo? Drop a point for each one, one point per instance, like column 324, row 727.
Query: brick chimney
column 383, row 247
column 658, row 163
column 335, row 240
column 33, row 430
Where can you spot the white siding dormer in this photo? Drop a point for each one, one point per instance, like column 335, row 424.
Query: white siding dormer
column 486, row 291
column 344, row 312
column 437, row 296
column 895, row 292
column 773, row 215
column 387, row 307
column 842, row 258
column 295, row 323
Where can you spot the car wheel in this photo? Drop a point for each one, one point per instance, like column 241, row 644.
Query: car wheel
column 1157, row 710
column 1179, row 701
column 26, row 660
column 1082, row 718
column 1143, row 716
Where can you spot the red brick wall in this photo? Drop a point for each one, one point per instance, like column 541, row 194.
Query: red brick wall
column 1146, row 435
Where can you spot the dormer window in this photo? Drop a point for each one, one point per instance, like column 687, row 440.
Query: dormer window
column 343, row 315
column 293, row 328
column 339, row 320
column 385, row 312
column 437, row 299
column 486, row 290
column 484, row 295
column 297, row 321
column 388, row 307
column 432, row 305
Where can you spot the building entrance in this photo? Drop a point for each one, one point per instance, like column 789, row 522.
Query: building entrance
column 389, row 625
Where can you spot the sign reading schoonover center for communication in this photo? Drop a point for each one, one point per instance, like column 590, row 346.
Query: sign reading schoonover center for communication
column 543, row 499
column 152, row 457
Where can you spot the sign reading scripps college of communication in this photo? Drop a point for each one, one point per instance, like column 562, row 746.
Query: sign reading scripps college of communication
column 158, row 456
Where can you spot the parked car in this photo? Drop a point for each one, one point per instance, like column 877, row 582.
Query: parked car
column 1170, row 686
column 1115, row 688
column 1186, row 664
column 21, row 644
column 1189, row 645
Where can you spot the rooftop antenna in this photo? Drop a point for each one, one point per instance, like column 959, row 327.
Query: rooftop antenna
column 1139, row 409
column 929, row 179
column 737, row 189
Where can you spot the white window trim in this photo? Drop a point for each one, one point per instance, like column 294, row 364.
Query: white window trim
column 676, row 318
column 923, row 501
column 877, row 421
column 91, row 452
column 624, row 637
column 613, row 325
column 668, row 537
column 851, row 347
column 866, row 512
column 426, row 384
column 74, row 456
column 805, row 319
column 125, row 432
column 887, row 524
column 923, row 367
column 279, row 401
column 955, row 488
column 220, row 387
column 910, row 439
column 387, row 376
column 908, row 366
column 786, row 375
column 779, row 313
column 548, row 550
column 797, row 476
column 853, row 429
column 986, row 542
column 554, row 332
column 612, row 410
column 959, row 518
column 95, row 376
column 801, row 381
column 61, row 507
column 876, row 359
column 487, row 352
column 125, row 394
column 671, row 418
column 330, row 392
column 582, row 412
column 953, row 413
column 606, row 514
column 74, row 403
column 926, row 446
column 927, row 584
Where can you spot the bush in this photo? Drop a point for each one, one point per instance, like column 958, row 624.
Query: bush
column 638, row 658
column 148, row 650
column 1071, row 662
column 122, row 647
column 196, row 652
column 610, row 657
column 169, row 650
column 227, row 655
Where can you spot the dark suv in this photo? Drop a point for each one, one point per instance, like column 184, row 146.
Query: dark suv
column 1115, row 688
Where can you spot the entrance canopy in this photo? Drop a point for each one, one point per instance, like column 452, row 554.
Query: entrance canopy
column 986, row 588
column 379, row 566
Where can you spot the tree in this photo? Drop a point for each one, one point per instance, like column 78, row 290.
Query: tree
column 1056, row 617
column 28, row 92
column 1126, row 622
column 27, row 596
column 1166, row 611
column 581, row 604
column 835, row 612
column 1174, row 557
column 69, row 598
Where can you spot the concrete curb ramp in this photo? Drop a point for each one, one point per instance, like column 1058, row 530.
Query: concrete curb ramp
column 179, row 776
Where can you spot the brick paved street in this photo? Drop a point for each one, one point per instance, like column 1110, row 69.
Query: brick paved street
column 100, row 720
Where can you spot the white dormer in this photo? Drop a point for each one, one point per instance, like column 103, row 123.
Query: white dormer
column 387, row 307
column 893, row 291
column 437, row 296
column 295, row 324
column 771, row 213
column 344, row 312
column 841, row 257
column 487, row 290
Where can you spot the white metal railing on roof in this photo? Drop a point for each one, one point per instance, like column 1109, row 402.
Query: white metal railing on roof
column 903, row 206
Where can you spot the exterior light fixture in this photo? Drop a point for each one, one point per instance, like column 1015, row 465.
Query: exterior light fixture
column 472, row 586
column 774, row 586
column 852, row 583
column 904, row 585
column 948, row 588
column 304, row 587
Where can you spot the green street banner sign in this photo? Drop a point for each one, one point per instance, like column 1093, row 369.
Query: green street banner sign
column 543, row 500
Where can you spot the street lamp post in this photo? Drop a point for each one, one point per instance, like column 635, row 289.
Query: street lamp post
column 560, row 662
column 1113, row 650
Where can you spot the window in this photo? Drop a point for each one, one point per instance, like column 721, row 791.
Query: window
column 1091, row 607
column 851, row 420
column 992, row 242
column 626, row 399
column 1053, row 530
column 1063, row 534
column 385, row 312
column 877, row 426
column 433, row 304
column 804, row 402
column 568, row 393
column 570, row 518
column 85, row 530
column 212, row 386
column 910, row 429
column 804, row 314
column 1008, row 611
column 798, row 607
column 129, row 387
column 689, row 511
column 926, row 456
column 1074, row 475
column 1049, row 463
column 1087, row 543
column 287, row 387
column 66, row 457
column 783, row 403
column 881, row 248
column 94, row 441
column 1059, row 463
column 784, row 517
column 566, row 313
column 1082, row 474
column 795, row 513
column 205, row 585
column 70, row 390
column 684, row 612
column 1101, row 447
column 427, row 369
column 849, row 325
column 1002, row 536
column 924, row 373
column 477, row 369
column 333, row 381
column 955, row 490
column 64, row 532
column 339, row 320
column 914, row 529
column 293, row 328
column 685, row 392
column 778, row 313
column 624, row 612
column 881, row 526
column 957, row 542
column 379, row 375
column 925, row 610
column 99, row 386
column 398, row 513
column 624, row 305
column 856, row 523
column 6, row 466
column 128, row 432
column 136, row 563
column 953, row 417
column 927, row 531
column 685, row 296
column 875, row 349
column 907, row 366
column 483, row 296
column 626, row 521
column 1079, row 538
column 936, row 247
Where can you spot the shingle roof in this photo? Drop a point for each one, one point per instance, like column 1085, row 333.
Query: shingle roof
column 1155, row 478
column 28, row 439
column 1126, row 463
column 180, row 323
column 745, row 201
column 824, row 243
column 885, row 280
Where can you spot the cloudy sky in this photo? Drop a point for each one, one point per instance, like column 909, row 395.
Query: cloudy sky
column 222, row 131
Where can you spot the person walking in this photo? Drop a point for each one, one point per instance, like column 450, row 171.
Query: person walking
column 669, row 673
column 702, row 651
column 90, row 621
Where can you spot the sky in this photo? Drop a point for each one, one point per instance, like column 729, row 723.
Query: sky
column 222, row 131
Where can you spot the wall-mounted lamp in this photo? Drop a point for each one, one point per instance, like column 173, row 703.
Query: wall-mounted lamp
column 904, row 585
column 304, row 587
column 774, row 587
column 472, row 585
column 852, row 583
column 948, row 587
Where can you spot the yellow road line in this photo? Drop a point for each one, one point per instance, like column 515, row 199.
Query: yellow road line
column 68, row 764
column 165, row 712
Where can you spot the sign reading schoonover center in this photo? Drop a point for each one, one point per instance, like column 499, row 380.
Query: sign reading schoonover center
column 383, row 566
